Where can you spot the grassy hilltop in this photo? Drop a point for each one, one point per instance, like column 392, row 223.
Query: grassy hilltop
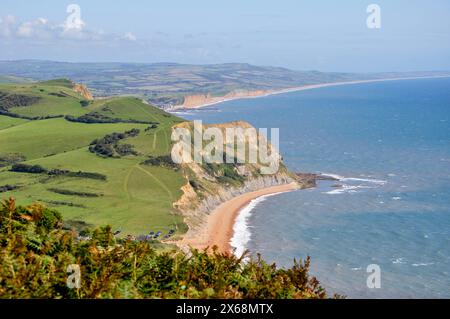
column 50, row 126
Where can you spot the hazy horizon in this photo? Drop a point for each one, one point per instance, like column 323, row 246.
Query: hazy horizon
column 324, row 35
column 223, row 63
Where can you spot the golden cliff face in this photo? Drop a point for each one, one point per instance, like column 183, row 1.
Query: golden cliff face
column 83, row 91
column 210, row 191
column 243, row 93
column 192, row 101
column 195, row 100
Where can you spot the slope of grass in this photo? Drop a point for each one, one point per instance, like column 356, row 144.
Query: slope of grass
column 134, row 198
column 6, row 122
column 37, row 139
column 130, row 108
column 58, row 82
column 53, row 99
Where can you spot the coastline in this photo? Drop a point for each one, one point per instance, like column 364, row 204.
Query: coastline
column 219, row 228
column 259, row 93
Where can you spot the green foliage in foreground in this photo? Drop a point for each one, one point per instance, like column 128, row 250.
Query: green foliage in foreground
column 36, row 251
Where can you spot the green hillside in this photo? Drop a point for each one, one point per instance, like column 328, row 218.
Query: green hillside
column 52, row 128
column 6, row 121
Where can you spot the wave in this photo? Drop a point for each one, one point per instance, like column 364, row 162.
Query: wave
column 346, row 189
column 179, row 113
column 422, row 264
column 356, row 179
column 400, row 260
column 241, row 229
column 364, row 183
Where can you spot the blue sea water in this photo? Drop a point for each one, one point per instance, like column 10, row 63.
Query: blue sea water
column 389, row 143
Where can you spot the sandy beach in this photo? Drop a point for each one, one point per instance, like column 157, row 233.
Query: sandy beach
column 251, row 95
column 219, row 228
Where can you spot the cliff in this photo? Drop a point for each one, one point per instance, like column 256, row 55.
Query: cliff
column 197, row 100
column 211, row 185
column 83, row 91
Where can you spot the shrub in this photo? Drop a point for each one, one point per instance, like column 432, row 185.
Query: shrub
column 8, row 101
column 8, row 188
column 8, row 159
column 195, row 185
column 108, row 145
column 84, row 103
column 224, row 173
column 125, row 149
column 31, row 169
column 162, row 161
column 72, row 193
column 34, row 246
column 58, row 172
column 99, row 118
column 151, row 127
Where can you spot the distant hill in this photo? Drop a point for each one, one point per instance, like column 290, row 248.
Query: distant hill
column 13, row 79
column 168, row 84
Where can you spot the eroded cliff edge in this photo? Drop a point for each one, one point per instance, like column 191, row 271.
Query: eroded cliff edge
column 210, row 185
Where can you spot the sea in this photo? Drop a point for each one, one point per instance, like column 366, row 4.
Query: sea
column 382, row 229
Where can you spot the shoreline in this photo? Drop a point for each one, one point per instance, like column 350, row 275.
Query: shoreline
column 252, row 95
column 219, row 228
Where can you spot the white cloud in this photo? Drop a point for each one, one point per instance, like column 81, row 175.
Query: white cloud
column 7, row 25
column 129, row 36
column 74, row 24
column 42, row 29
column 38, row 28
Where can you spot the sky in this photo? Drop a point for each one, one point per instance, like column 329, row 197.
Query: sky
column 324, row 35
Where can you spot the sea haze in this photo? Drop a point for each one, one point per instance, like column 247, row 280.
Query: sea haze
column 389, row 144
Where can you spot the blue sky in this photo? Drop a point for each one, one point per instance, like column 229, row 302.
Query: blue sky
column 303, row 35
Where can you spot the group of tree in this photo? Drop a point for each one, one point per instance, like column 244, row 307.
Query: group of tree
column 161, row 161
column 38, row 169
column 99, row 118
column 108, row 146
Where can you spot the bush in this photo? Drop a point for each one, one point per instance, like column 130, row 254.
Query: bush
column 151, row 127
column 224, row 173
column 8, row 159
column 99, row 118
column 34, row 246
column 37, row 169
column 84, row 103
column 125, row 149
column 8, row 188
column 108, row 145
column 195, row 185
column 80, row 174
column 31, row 169
column 161, row 161
column 72, row 193
column 8, row 101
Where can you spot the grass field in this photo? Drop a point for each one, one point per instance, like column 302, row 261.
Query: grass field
column 6, row 122
column 37, row 139
column 134, row 198
column 53, row 99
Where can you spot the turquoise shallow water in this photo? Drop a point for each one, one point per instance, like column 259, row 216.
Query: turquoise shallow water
column 389, row 143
